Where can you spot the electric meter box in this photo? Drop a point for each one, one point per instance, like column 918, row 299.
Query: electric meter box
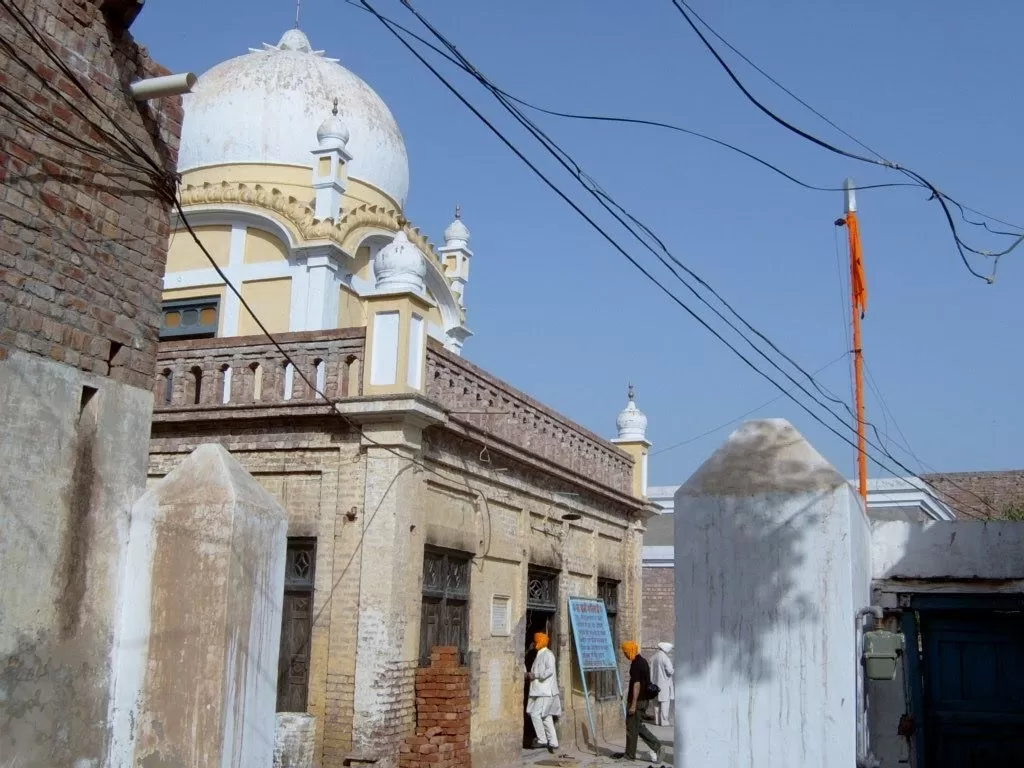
column 881, row 650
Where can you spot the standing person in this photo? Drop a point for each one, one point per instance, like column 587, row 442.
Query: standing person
column 661, row 675
column 636, row 697
column 545, row 703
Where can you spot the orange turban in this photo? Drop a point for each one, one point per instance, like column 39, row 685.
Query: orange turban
column 540, row 640
column 631, row 649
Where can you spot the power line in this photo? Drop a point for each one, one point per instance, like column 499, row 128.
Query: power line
column 839, row 128
column 608, row 237
column 936, row 194
column 633, row 121
column 567, row 161
column 742, row 416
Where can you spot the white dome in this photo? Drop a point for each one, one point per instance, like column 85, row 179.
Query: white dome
column 266, row 107
column 400, row 266
column 632, row 422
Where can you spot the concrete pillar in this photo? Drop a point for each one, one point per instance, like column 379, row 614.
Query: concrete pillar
column 73, row 456
column 772, row 550
column 201, row 620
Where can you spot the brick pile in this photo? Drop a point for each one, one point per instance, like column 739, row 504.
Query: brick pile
column 442, row 715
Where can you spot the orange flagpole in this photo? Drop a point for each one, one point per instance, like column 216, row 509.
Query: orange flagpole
column 859, row 303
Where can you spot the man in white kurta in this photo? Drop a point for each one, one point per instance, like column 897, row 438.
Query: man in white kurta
column 545, row 703
column 661, row 675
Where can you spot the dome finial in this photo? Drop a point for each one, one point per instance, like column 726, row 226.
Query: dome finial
column 458, row 211
column 334, row 109
column 632, row 392
column 298, row 10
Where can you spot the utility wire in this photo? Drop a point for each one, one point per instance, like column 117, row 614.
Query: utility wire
column 611, row 240
column 567, row 161
column 632, row 121
column 962, row 247
column 618, row 247
column 839, row 128
column 742, row 416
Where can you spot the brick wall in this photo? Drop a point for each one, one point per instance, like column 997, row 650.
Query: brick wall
column 658, row 622
column 442, row 715
column 981, row 494
column 83, row 242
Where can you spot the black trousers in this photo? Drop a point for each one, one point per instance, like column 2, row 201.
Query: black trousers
column 636, row 728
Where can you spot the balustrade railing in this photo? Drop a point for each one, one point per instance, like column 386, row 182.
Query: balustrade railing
column 249, row 370
column 489, row 404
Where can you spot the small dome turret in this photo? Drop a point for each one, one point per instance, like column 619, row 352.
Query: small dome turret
column 632, row 423
column 400, row 266
column 457, row 233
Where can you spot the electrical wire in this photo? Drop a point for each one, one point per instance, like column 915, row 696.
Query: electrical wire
column 839, row 128
column 574, row 167
column 607, row 237
column 633, row 121
column 962, row 247
column 742, row 416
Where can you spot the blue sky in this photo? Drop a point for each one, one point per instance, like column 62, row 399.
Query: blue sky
column 558, row 313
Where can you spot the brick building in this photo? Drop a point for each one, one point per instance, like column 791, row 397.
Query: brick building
column 430, row 504
column 83, row 242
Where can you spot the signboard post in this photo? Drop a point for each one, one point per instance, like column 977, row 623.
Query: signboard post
column 595, row 649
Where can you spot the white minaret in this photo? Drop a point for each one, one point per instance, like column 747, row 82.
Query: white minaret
column 330, row 166
column 456, row 255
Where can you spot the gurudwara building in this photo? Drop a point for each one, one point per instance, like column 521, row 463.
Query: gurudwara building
column 430, row 504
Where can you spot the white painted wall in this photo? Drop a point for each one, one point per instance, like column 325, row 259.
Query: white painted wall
column 948, row 550
column 772, row 566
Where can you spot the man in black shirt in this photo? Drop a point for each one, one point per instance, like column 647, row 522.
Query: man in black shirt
column 637, row 695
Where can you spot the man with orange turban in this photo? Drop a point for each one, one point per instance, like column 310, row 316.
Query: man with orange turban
column 545, row 703
column 637, row 694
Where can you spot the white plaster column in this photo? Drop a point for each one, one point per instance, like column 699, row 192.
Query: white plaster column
column 772, row 551
column 322, row 291
column 236, row 258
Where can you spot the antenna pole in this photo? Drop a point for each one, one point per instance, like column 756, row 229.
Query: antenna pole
column 859, row 301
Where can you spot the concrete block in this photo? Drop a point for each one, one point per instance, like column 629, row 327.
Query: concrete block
column 197, row 674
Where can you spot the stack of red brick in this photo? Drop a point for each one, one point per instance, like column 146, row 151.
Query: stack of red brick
column 442, row 715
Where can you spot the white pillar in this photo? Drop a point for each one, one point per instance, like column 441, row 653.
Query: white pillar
column 772, row 551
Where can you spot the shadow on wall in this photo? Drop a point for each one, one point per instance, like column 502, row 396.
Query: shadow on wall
column 752, row 529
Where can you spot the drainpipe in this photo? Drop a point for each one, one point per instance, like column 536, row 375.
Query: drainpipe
column 865, row 758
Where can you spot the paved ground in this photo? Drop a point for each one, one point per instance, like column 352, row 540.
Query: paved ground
column 570, row 757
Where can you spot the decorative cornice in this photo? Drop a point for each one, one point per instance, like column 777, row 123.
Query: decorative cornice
column 300, row 214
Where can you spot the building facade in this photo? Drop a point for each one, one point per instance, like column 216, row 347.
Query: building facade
column 430, row 504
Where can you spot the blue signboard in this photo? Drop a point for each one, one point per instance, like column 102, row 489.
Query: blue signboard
column 594, row 647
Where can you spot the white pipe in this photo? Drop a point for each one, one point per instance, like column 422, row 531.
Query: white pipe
column 158, row 87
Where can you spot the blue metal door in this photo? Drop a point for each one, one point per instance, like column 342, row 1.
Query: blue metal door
column 973, row 684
